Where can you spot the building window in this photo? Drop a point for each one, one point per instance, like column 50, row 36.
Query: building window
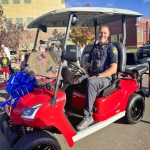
column 8, row 20
column 114, row 38
column 4, row 1
column 138, row 19
column 16, row 1
column 27, row 1
column 140, row 35
column 29, row 19
column 62, row 1
column 19, row 21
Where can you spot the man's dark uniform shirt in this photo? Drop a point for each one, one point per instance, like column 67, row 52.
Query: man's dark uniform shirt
column 101, row 57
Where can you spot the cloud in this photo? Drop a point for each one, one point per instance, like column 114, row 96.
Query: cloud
column 146, row 1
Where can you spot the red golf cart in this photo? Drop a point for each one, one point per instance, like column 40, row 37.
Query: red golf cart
column 31, row 123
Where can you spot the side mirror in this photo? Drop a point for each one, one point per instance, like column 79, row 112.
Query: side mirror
column 43, row 27
column 74, row 20
column 71, row 53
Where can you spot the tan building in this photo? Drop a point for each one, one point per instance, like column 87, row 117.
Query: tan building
column 24, row 11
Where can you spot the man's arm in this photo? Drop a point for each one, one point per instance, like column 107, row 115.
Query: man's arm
column 110, row 71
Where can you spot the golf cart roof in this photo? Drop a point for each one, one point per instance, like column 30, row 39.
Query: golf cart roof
column 60, row 17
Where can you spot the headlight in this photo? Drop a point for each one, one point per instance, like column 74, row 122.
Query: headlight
column 29, row 113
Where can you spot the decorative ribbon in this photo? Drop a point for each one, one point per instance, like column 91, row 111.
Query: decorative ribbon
column 18, row 85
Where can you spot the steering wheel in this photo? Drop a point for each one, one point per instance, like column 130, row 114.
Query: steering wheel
column 80, row 73
column 77, row 67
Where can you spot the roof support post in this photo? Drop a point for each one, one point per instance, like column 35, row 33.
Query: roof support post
column 95, row 30
column 36, row 37
column 124, row 29
column 53, row 100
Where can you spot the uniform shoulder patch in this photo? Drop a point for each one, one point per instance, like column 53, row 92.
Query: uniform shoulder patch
column 115, row 51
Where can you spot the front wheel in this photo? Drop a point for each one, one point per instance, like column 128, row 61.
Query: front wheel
column 135, row 108
column 39, row 140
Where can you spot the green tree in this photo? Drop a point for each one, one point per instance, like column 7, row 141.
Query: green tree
column 82, row 36
column 59, row 36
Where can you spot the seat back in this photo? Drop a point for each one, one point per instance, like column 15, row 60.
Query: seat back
column 85, row 54
column 71, row 53
column 121, row 56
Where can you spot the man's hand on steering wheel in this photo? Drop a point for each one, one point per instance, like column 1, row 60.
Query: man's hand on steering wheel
column 80, row 75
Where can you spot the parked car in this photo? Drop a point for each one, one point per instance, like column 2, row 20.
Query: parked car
column 147, row 43
column 144, row 51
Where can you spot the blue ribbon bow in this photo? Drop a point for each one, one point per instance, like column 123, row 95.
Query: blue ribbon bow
column 19, row 84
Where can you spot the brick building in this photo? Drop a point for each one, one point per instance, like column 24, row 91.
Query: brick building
column 138, row 31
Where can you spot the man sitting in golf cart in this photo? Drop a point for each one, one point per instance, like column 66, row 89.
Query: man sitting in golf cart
column 101, row 65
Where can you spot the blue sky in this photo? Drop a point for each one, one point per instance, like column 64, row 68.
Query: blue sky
column 142, row 6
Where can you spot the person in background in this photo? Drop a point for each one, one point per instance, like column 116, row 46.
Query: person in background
column 54, row 47
column 7, row 52
column 43, row 46
column 22, row 61
column 4, row 61
column 79, row 52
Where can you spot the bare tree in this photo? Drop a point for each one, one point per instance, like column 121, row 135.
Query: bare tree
column 11, row 34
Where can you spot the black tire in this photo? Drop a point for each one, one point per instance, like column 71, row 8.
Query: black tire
column 135, row 109
column 3, row 118
column 38, row 140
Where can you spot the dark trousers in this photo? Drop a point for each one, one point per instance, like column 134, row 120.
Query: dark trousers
column 11, row 69
column 90, row 86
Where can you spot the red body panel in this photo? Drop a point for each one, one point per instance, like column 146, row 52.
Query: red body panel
column 48, row 115
column 110, row 105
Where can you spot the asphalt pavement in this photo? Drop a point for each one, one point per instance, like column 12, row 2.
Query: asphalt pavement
column 117, row 136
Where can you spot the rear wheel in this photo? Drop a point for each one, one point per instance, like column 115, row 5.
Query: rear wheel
column 39, row 140
column 135, row 108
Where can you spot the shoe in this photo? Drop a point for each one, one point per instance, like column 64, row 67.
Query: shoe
column 87, row 120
